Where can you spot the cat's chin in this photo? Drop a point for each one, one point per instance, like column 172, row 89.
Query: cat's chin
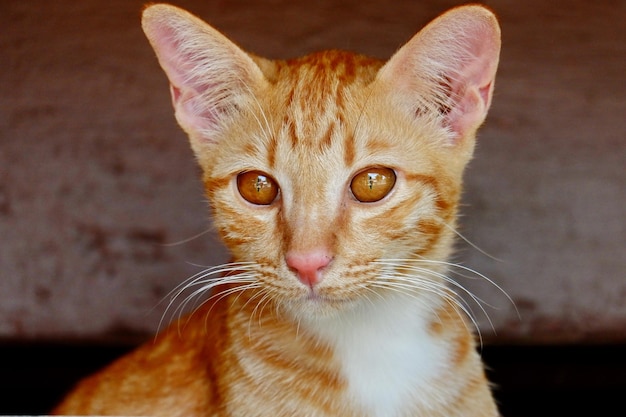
column 314, row 306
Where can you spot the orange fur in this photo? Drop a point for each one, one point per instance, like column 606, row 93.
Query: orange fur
column 332, row 306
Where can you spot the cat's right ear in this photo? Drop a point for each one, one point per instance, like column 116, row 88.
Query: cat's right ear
column 209, row 75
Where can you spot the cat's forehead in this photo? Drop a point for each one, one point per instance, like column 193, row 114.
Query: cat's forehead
column 317, row 97
column 322, row 87
column 327, row 68
column 317, row 117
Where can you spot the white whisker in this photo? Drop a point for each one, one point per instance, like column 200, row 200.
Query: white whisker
column 440, row 290
column 452, row 282
column 414, row 275
column 466, row 240
column 204, row 282
column 189, row 239
column 453, row 267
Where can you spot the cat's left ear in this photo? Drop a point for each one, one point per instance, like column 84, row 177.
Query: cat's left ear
column 447, row 71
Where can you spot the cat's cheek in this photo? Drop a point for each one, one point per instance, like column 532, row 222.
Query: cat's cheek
column 235, row 219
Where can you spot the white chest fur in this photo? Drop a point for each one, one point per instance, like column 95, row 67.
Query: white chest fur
column 387, row 355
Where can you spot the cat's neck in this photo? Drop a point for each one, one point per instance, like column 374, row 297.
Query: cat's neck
column 394, row 312
column 386, row 348
column 382, row 354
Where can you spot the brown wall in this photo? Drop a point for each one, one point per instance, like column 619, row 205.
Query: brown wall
column 100, row 200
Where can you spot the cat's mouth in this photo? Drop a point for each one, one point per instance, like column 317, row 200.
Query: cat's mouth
column 314, row 303
column 315, row 311
column 314, row 297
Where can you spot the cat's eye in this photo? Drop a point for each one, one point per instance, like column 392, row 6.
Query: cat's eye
column 372, row 184
column 257, row 187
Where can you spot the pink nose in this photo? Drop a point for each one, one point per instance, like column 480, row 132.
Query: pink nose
column 308, row 265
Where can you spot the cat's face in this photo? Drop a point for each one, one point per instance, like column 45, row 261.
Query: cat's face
column 322, row 166
column 332, row 178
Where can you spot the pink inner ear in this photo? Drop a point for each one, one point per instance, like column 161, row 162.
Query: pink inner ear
column 191, row 90
column 163, row 39
column 485, row 93
column 469, row 110
column 175, row 91
column 194, row 113
column 448, row 69
column 472, row 87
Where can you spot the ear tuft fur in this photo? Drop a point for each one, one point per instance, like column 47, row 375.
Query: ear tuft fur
column 447, row 71
column 208, row 73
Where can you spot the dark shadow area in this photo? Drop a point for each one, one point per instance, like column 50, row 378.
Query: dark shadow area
column 530, row 380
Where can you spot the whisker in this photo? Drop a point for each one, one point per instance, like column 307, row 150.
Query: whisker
column 440, row 290
column 452, row 282
column 222, row 294
column 452, row 268
column 416, row 278
column 205, row 286
column 186, row 240
column 205, row 281
column 466, row 240
column 265, row 299
column 183, row 307
column 214, row 270
column 455, row 266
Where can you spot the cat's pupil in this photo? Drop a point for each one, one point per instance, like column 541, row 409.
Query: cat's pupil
column 257, row 187
column 372, row 184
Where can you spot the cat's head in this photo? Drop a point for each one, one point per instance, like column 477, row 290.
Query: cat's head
column 332, row 177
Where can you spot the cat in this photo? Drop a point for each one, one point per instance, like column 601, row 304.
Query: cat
column 334, row 180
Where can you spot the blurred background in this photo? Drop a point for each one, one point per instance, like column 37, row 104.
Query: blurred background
column 102, row 212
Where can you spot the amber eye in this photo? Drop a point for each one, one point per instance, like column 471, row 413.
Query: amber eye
column 257, row 187
column 372, row 184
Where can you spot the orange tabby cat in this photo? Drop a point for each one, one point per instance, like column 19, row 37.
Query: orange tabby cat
column 334, row 180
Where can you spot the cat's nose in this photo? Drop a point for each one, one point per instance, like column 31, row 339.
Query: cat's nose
column 308, row 265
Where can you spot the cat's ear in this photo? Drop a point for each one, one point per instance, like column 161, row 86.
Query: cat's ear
column 209, row 75
column 447, row 71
